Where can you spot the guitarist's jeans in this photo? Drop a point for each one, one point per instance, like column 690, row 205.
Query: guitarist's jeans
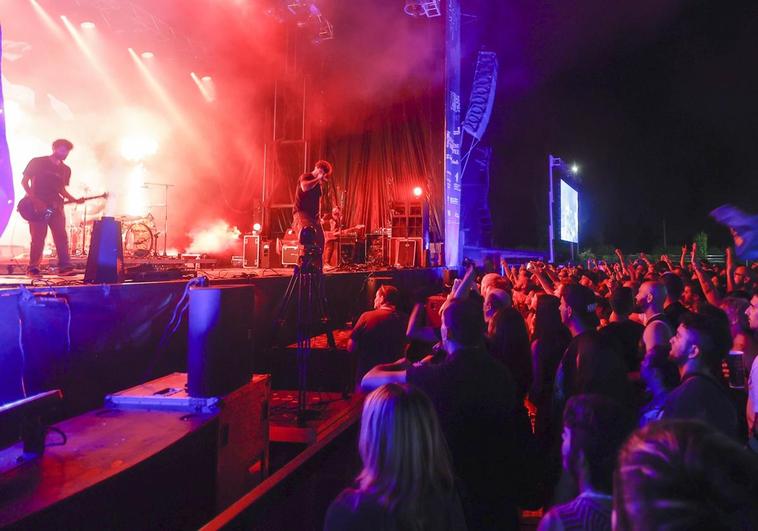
column 38, row 229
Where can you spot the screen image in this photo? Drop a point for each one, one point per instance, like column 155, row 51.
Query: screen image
column 569, row 214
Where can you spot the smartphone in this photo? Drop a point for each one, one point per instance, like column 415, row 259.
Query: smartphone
column 736, row 369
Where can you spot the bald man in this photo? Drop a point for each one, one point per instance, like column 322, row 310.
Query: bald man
column 649, row 302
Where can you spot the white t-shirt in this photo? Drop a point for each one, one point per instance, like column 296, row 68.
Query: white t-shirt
column 752, row 395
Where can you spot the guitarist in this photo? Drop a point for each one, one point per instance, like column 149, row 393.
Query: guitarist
column 45, row 181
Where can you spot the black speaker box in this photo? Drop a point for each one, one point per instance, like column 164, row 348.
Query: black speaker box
column 105, row 262
column 219, row 339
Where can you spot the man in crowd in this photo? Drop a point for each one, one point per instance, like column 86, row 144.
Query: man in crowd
column 594, row 428
column 626, row 332
column 379, row 334
column 673, row 309
column 752, row 399
column 649, row 302
column 697, row 351
column 592, row 362
column 474, row 396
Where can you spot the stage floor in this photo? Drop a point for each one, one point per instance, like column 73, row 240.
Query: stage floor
column 20, row 278
column 94, row 339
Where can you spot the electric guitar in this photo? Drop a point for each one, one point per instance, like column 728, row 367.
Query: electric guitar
column 332, row 234
column 31, row 210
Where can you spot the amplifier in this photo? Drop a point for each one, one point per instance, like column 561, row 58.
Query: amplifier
column 290, row 253
column 405, row 252
column 269, row 258
column 251, row 251
column 377, row 249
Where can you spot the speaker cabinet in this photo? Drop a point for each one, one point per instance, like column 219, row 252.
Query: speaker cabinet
column 105, row 263
column 251, row 251
column 406, row 252
column 290, row 253
column 219, row 339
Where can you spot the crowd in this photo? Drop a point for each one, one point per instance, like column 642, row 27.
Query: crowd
column 610, row 395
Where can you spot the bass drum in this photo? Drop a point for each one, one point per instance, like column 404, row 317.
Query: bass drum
column 138, row 241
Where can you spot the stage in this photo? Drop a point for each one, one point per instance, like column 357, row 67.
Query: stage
column 93, row 339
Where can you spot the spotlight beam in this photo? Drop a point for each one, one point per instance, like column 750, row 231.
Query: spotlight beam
column 93, row 60
column 200, row 86
column 47, row 19
column 161, row 92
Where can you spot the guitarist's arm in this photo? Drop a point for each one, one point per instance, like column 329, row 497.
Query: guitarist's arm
column 26, row 182
column 68, row 197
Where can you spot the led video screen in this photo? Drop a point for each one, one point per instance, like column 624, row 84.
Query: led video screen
column 569, row 214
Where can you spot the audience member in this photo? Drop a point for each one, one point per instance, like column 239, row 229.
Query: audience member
column 660, row 375
column 594, row 427
column 658, row 330
column 743, row 339
column 697, row 351
column 684, row 475
column 495, row 300
column 626, row 332
column 549, row 341
column 407, row 479
column 475, row 398
column 592, row 362
column 379, row 335
column 493, row 281
column 673, row 309
column 508, row 342
column 752, row 382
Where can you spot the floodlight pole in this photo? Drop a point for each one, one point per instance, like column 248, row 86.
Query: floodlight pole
column 551, row 163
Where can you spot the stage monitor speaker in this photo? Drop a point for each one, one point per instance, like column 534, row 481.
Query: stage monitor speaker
column 219, row 339
column 251, row 251
column 105, row 262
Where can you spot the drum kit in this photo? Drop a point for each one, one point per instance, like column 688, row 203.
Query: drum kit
column 139, row 233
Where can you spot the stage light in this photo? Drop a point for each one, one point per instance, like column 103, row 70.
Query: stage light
column 137, row 148
column 417, row 191
column 257, row 227
column 574, row 168
column 87, row 25
column 147, row 55
column 206, row 87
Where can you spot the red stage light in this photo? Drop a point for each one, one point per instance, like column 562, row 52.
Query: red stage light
column 417, row 191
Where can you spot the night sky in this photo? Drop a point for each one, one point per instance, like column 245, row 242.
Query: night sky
column 656, row 101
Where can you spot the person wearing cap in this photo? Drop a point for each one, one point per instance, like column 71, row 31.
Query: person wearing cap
column 45, row 181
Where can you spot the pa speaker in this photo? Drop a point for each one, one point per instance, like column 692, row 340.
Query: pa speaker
column 105, row 263
column 219, row 339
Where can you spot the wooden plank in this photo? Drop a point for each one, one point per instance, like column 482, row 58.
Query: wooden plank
column 101, row 445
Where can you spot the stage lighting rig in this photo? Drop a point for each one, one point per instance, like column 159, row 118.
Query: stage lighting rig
column 306, row 15
column 422, row 8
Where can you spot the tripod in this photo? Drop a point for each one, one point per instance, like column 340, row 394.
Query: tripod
column 307, row 287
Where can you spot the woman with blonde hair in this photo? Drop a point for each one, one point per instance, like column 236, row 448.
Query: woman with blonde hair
column 407, row 481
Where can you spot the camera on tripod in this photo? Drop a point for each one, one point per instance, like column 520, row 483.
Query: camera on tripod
column 310, row 258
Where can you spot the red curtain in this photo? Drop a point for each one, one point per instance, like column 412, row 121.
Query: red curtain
column 398, row 148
